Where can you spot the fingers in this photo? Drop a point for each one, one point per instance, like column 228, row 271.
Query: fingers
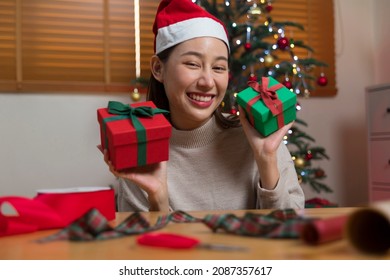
column 242, row 116
column 248, row 128
column 125, row 173
column 283, row 131
column 106, row 159
column 100, row 148
column 110, row 166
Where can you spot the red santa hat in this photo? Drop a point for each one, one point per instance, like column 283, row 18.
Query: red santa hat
column 181, row 20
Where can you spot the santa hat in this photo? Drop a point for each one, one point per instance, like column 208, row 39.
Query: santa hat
column 181, row 20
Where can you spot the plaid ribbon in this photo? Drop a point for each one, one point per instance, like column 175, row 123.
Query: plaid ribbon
column 94, row 226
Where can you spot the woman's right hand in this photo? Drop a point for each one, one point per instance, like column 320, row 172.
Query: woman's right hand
column 151, row 178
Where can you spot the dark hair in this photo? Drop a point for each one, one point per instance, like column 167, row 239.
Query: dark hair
column 156, row 93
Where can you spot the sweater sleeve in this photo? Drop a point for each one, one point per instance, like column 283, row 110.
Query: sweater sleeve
column 287, row 193
column 131, row 198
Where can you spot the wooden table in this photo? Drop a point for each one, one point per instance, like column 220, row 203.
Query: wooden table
column 25, row 247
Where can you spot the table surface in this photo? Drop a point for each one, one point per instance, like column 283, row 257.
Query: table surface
column 25, row 247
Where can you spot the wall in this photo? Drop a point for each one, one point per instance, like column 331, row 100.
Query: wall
column 339, row 123
column 49, row 140
column 381, row 44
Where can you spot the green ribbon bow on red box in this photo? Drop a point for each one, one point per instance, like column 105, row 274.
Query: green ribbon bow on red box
column 125, row 111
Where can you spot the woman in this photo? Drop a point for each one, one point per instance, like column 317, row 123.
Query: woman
column 214, row 162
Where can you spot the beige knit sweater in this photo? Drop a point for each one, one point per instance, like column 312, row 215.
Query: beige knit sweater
column 212, row 168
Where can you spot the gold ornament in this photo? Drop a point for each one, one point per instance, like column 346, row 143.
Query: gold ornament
column 299, row 162
column 268, row 60
column 135, row 95
column 306, row 93
column 254, row 12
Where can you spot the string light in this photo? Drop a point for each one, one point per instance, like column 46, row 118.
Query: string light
column 135, row 95
column 137, row 39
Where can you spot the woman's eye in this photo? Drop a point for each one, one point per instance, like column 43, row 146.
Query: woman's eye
column 192, row 64
column 220, row 68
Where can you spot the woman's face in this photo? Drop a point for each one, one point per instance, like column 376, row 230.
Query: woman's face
column 195, row 79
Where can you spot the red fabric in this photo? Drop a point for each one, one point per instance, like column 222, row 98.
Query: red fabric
column 319, row 203
column 52, row 210
column 167, row 240
column 171, row 12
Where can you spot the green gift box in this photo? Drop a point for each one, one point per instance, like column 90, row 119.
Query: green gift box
column 268, row 106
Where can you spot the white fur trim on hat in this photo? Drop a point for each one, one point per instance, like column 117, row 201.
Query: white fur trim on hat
column 179, row 32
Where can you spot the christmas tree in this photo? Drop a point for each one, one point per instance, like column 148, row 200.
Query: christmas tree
column 261, row 48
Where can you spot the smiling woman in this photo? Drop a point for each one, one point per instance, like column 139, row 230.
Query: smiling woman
column 79, row 46
column 200, row 83
column 190, row 78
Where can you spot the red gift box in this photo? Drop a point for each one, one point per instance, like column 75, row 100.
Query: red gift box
column 133, row 137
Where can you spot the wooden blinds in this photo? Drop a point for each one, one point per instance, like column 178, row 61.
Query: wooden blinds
column 317, row 18
column 89, row 45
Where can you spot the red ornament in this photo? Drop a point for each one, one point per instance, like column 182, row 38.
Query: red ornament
column 233, row 111
column 288, row 84
column 269, row 8
column 252, row 78
column 322, row 80
column 319, row 173
column 308, row 156
column 248, row 46
column 283, row 43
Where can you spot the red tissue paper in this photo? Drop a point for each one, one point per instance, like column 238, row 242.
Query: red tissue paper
column 53, row 208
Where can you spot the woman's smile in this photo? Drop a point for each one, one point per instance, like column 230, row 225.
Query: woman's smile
column 201, row 99
column 195, row 78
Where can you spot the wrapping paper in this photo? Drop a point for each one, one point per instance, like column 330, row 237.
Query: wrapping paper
column 53, row 208
column 324, row 230
column 368, row 229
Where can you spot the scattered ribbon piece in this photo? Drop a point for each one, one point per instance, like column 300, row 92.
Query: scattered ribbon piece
column 125, row 111
column 270, row 99
column 93, row 226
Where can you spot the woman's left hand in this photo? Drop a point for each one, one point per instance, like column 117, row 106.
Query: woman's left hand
column 265, row 150
column 263, row 146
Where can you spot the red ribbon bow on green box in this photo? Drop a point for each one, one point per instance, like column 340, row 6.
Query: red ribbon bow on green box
column 124, row 111
column 269, row 97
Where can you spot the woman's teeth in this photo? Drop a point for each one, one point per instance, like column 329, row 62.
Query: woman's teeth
column 200, row 98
